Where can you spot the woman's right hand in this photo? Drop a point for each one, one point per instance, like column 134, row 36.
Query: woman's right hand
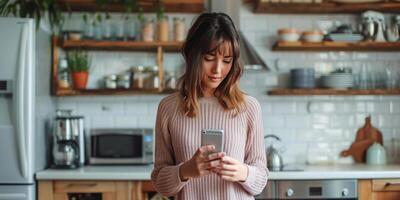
column 201, row 163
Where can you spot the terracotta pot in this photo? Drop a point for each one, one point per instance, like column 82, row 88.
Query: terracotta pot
column 80, row 79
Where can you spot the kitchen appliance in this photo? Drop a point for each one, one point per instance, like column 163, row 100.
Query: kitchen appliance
column 373, row 26
column 25, row 106
column 274, row 158
column 121, row 146
column 68, row 145
column 310, row 189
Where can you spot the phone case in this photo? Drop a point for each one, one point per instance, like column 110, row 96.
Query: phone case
column 213, row 137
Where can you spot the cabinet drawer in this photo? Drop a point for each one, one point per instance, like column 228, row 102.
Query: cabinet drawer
column 84, row 186
column 386, row 185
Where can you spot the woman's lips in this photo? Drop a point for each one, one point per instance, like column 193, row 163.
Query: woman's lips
column 214, row 78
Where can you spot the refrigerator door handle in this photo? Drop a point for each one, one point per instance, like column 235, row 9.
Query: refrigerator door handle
column 20, row 103
column 12, row 196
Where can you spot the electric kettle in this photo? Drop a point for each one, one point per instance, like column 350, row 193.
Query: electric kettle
column 274, row 158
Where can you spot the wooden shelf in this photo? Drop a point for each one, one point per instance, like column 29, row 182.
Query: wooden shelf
column 324, row 91
column 325, row 7
column 105, row 92
column 120, row 45
column 336, row 46
column 192, row 6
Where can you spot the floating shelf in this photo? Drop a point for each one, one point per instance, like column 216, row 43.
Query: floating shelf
column 103, row 92
column 120, row 45
column 336, row 46
column 323, row 91
column 325, row 7
column 192, row 6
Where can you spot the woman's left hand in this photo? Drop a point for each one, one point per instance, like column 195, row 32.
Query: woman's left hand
column 231, row 170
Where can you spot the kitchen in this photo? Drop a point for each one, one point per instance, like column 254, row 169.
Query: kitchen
column 314, row 126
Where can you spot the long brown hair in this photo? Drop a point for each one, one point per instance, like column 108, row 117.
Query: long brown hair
column 209, row 28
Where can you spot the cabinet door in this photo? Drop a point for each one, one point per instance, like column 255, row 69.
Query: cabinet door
column 109, row 190
column 386, row 189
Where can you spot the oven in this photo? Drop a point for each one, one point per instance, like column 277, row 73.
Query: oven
column 310, row 189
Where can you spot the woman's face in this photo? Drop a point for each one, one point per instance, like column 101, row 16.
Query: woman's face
column 216, row 65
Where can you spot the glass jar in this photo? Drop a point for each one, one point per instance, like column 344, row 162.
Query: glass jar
column 123, row 81
column 106, row 26
column 130, row 28
column 170, row 82
column 162, row 29
column 148, row 30
column 110, row 81
column 179, row 29
column 119, row 29
column 137, row 77
column 154, row 78
column 63, row 75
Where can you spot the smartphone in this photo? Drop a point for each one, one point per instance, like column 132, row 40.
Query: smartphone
column 213, row 137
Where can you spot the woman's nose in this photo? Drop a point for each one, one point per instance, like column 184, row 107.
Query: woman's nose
column 217, row 68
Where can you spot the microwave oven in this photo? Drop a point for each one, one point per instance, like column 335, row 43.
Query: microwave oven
column 121, row 146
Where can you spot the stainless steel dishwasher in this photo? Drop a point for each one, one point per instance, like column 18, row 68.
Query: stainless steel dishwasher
column 310, row 189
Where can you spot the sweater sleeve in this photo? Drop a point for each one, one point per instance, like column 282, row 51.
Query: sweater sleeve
column 165, row 175
column 255, row 157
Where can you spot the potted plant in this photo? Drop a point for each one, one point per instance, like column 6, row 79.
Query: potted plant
column 78, row 64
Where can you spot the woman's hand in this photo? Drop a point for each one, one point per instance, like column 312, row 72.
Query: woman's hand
column 201, row 163
column 231, row 170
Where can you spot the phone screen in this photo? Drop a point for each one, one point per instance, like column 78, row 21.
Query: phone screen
column 213, row 137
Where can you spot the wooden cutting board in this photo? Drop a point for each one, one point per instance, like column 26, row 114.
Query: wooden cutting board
column 365, row 137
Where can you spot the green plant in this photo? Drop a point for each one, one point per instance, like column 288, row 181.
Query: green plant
column 78, row 61
column 36, row 9
column 160, row 11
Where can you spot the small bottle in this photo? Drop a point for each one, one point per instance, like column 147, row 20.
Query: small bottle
column 154, row 79
column 171, row 81
column 179, row 29
column 138, row 77
column 63, row 75
column 148, row 30
column 162, row 29
column 110, row 81
column 123, row 81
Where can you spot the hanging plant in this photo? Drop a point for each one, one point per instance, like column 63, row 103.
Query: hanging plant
column 37, row 9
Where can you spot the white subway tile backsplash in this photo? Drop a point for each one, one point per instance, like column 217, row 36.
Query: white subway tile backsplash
column 102, row 121
column 126, row 121
column 341, row 121
column 136, row 108
column 292, row 121
column 374, row 107
column 147, row 121
column 274, row 121
column 396, row 107
column 284, row 107
column 320, row 121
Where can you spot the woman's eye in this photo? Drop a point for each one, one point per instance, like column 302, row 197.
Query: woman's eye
column 209, row 58
column 227, row 61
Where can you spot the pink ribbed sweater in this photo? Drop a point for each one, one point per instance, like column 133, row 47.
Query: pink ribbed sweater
column 178, row 137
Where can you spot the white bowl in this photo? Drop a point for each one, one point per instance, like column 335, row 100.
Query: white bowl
column 313, row 36
column 289, row 37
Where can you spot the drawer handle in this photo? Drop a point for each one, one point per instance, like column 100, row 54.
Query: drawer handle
column 392, row 184
column 82, row 185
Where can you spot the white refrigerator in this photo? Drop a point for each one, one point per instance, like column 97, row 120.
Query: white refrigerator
column 26, row 108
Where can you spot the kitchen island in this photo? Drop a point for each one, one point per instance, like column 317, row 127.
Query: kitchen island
column 133, row 182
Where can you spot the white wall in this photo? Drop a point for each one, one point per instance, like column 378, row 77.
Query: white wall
column 318, row 126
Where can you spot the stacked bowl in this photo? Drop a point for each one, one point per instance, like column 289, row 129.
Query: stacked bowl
column 302, row 78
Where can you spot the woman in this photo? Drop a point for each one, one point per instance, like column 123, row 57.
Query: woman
column 210, row 98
